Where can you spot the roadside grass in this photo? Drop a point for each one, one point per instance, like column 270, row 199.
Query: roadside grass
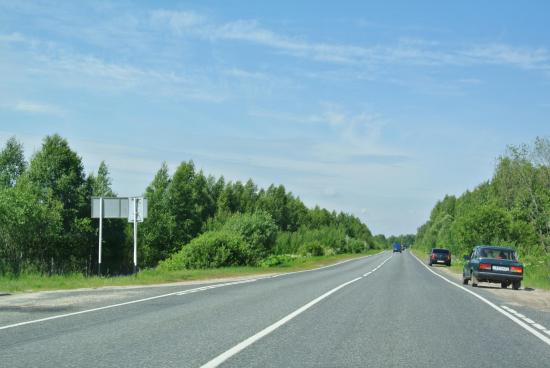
column 38, row 282
column 536, row 273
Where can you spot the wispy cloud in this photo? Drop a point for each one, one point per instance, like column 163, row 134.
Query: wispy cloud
column 405, row 51
column 33, row 107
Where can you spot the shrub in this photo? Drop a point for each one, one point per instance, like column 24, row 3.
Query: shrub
column 281, row 260
column 355, row 246
column 210, row 250
column 312, row 248
column 257, row 229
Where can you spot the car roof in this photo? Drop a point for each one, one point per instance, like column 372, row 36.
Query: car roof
column 495, row 247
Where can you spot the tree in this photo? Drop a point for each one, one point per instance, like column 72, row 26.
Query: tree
column 56, row 173
column 12, row 163
column 158, row 229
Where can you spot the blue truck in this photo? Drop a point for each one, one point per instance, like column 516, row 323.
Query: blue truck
column 397, row 247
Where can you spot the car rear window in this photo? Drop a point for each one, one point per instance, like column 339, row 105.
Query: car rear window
column 497, row 253
column 442, row 251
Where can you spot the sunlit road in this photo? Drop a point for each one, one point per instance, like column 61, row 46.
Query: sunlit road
column 386, row 310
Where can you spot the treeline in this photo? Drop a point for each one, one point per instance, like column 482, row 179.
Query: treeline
column 45, row 223
column 513, row 208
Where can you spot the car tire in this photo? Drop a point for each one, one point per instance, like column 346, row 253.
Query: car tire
column 516, row 285
column 449, row 264
column 504, row 285
column 464, row 279
column 430, row 264
column 473, row 278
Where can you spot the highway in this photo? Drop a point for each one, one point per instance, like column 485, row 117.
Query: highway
column 386, row 310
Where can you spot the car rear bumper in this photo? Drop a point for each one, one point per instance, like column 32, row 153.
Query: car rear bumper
column 496, row 277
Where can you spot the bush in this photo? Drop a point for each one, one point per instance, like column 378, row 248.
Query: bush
column 281, row 260
column 210, row 250
column 355, row 246
column 312, row 248
column 257, row 229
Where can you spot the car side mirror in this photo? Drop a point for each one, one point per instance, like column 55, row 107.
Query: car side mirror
column 466, row 258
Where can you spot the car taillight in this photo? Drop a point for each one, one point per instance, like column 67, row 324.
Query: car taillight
column 518, row 269
column 484, row 266
column 434, row 256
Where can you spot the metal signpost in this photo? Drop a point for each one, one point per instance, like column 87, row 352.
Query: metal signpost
column 137, row 213
column 131, row 208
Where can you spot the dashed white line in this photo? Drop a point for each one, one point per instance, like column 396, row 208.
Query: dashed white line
column 528, row 320
column 269, row 329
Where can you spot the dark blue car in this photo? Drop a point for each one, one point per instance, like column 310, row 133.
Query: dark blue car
column 397, row 247
column 489, row 263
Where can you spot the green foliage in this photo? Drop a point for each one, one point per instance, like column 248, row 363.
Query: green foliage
column 257, row 229
column 12, row 163
column 312, row 248
column 280, row 260
column 512, row 208
column 210, row 250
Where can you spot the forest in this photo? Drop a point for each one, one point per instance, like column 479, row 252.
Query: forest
column 194, row 220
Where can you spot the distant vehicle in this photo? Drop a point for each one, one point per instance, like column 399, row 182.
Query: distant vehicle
column 397, row 247
column 440, row 256
column 489, row 263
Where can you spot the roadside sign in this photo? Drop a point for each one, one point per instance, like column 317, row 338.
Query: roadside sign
column 132, row 208
column 113, row 207
column 141, row 209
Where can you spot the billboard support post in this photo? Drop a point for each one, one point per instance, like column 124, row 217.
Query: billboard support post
column 100, row 235
column 135, row 232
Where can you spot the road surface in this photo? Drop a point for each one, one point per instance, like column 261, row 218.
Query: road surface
column 386, row 310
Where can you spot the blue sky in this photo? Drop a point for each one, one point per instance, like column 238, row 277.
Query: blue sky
column 377, row 109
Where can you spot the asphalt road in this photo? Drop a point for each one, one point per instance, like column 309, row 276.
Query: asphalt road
column 381, row 311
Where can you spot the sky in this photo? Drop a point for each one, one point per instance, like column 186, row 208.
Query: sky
column 377, row 109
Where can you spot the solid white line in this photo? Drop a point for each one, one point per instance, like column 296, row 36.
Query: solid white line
column 528, row 320
column 547, row 332
column 269, row 329
column 540, row 327
column 491, row 304
column 189, row 291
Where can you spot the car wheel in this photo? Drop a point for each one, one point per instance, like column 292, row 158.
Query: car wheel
column 449, row 264
column 464, row 279
column 430, row 264
column 473, row 278
column 504, row 285
column 516, row 285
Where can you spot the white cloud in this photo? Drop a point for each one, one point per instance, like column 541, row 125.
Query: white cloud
column 32, row 107
column 179, row 21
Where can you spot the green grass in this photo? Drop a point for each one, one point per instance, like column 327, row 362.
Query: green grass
column 536, row 273
column 38, row 282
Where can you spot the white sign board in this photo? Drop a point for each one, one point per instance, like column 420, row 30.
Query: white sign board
column 112, row 207
column 141, row 212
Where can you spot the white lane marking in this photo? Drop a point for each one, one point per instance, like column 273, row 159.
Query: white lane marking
column 528, row 320
column 491, row 304
column 189, row 291
column 547, row 332
column 269, row 329
column 328, row 266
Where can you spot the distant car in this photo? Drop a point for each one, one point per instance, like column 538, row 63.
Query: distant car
column 397, row 247
column 489, row 263
column 440, row 256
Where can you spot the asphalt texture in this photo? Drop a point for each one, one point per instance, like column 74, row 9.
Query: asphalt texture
column 400, row 315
